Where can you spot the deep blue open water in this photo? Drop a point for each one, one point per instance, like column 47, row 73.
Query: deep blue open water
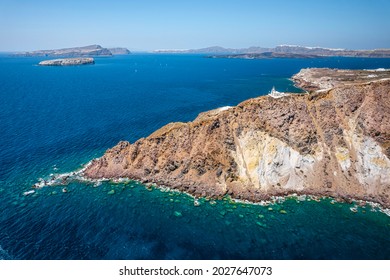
column 55, row 119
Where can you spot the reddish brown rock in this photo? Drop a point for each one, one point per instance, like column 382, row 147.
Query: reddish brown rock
column 334, row 141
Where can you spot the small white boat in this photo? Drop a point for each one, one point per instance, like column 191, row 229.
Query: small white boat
column 353, row 209
column 28, row 192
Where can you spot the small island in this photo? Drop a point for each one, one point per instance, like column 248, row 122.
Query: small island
column 67, row 61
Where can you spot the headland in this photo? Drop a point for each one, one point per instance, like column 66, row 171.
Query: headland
column 331, row 141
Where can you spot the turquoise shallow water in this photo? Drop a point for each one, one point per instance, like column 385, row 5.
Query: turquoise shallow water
column 54, row 120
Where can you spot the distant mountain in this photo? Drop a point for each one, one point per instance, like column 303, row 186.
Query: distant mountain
column 119, row 51
column 214, row 49
column 209, row 50
column 331, row 52
column 217, row 49
column 265, row 55
column 283, row 51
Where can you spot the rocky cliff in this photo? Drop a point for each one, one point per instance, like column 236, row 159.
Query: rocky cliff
column 333, row 141
column 119, row 51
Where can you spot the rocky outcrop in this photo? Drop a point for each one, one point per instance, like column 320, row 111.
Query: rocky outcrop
column 67, row 62
column 333, row 141
column 313, row 79
column 119, row 51
column 92, row 50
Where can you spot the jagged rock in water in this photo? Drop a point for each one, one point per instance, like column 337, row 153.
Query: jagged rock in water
column 334, row 141
column 67, row 61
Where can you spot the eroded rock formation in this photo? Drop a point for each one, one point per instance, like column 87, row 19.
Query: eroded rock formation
column 333, row 141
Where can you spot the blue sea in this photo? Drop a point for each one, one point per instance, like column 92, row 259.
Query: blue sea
column 56, row 119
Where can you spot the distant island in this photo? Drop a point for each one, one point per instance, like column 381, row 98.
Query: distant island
column 265, row 55
column 67, row 61
column 87, row 51
column 280, row 51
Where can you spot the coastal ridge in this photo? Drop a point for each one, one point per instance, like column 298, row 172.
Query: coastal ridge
column 333, row 141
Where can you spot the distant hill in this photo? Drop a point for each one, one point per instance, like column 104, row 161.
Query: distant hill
column 331, row 52
column 119, row 51
column 283, row 51
column 215, row 50
column 87, row 51
column 92, row 50
column 265, row 55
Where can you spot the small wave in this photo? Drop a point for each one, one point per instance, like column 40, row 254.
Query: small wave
column 62, row 178
column 66, row 178
column 375, row 207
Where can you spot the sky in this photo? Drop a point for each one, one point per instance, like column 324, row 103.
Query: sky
column 145, row 25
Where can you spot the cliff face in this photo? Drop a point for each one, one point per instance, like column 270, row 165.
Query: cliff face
column 119, row 51
column 333, row 142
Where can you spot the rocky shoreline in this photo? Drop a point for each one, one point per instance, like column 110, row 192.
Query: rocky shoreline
column 65, row 178
column 67, row 61
column 326, row 143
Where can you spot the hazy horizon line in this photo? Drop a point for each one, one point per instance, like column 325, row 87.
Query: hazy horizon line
column 191, row 48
